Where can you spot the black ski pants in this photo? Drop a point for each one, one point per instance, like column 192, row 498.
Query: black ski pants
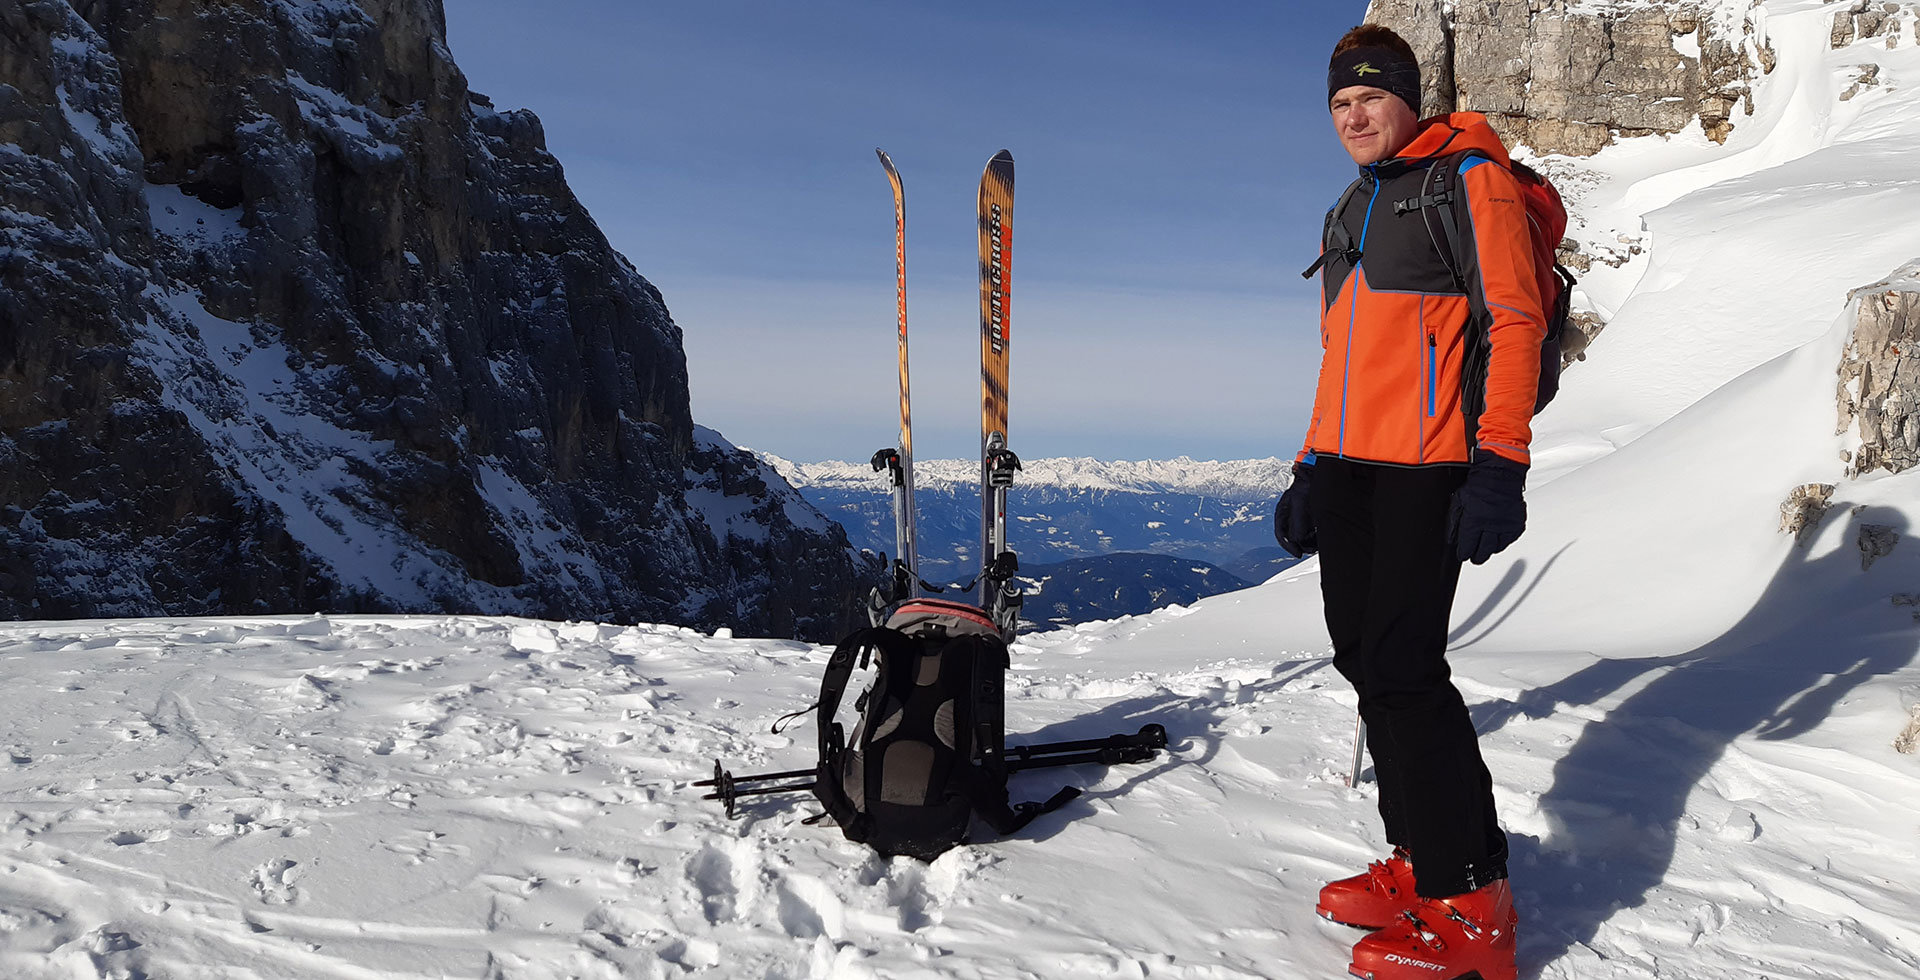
column 1388, row 573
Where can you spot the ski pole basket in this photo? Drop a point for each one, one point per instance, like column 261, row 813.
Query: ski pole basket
column 726, row 786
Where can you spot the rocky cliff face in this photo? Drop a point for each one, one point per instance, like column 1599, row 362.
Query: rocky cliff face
column 1880, row 375
column 1569, row 76
column 291, row 320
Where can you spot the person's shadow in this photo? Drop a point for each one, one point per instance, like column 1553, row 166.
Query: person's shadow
column 1619, row 795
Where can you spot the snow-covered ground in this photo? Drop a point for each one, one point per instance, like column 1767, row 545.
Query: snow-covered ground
column 1689, row 717
column 434, row 797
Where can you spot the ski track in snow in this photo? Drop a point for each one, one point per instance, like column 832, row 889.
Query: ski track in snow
column 427, row 797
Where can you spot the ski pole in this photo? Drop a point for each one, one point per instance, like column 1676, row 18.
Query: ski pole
column 1359, row 745
column 1149, row 736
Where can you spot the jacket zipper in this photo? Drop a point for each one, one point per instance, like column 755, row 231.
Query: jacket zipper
column 1353, row 301
column 1433, row 368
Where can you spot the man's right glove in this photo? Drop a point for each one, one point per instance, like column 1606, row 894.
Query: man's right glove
column 1292, row 522
column 1490, row 509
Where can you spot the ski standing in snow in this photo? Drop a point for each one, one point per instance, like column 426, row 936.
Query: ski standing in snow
column 899, row 461
column 999, row 594
column 1415, row 461
column 929, row 753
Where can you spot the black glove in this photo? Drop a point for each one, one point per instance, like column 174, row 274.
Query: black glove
column 1292, row 522
column 1489, row 510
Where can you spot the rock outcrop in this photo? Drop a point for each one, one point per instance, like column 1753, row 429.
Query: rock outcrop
column 1868, row 19
column 1908, row 741
column 1801, row 512
column 1568, row 76
column 1880, row 375
column 1876, row 541
column 292, row 320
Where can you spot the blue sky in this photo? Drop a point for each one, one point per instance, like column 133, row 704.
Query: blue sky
column 1173, row 162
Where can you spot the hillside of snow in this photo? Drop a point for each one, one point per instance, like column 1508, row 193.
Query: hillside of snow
column 1689, row 716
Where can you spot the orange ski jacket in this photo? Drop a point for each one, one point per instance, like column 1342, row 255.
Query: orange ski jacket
column 1411, row 358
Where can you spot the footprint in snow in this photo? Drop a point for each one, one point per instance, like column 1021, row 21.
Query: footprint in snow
column 920, row 893
column 273, row 882
column 725, row 881
column 32, row 930
column 425, row 846
column 809, row 908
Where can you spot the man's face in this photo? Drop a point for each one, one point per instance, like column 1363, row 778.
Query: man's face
column 1373, row 123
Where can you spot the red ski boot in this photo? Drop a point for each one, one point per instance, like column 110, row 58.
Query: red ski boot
column 1373, row 899
column 1466, row 937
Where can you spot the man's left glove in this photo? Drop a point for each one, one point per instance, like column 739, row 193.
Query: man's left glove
column 1292, row 522
column 1490, row 509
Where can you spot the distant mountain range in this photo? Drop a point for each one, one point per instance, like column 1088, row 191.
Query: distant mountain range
column 1096, row 539
column 1109, row 586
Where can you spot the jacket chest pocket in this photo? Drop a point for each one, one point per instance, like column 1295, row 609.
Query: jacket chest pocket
column 1403, row 250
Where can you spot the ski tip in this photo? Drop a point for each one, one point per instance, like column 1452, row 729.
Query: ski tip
column 1002, row 157
column 887, row 162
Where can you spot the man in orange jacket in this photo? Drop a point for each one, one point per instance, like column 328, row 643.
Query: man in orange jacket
column 1415, row 461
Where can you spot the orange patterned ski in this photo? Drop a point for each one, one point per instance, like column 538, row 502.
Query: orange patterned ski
column 998, row 593
column 905, row 537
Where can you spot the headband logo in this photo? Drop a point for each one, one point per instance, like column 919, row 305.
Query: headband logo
column 1365, row 68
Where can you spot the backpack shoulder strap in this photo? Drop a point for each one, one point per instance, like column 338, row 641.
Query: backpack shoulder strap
column 983, row 777
column 1444, row 202
column 859, row 646
column 1329, row 247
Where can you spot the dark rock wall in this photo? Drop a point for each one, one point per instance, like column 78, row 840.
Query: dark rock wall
column 291, row 320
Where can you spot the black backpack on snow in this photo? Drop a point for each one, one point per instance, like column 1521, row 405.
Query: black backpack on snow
column 928, row 751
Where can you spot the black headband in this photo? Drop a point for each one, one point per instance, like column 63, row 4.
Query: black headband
column 1381, row 68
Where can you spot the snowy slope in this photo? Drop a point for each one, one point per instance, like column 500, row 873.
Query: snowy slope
column 1688, row 716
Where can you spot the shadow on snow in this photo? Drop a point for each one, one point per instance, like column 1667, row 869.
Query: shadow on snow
column 1619, row 795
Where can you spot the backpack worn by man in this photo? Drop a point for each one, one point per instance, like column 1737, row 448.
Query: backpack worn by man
column 1441, row 203
column 1547, row 223
column 929, row 750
